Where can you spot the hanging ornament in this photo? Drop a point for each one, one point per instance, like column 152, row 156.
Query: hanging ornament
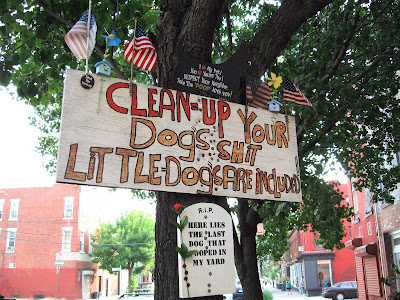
column 112, row 39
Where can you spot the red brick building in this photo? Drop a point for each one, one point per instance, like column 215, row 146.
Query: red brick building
column 310, row 267
column 376, row 244
column 39, row 228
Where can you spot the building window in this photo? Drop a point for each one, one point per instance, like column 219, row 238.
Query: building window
column 360, row 232
column 90, row 244
column 317, row 245
column 11, row 233
column 350, row 232
column 324, row 273
column 14, row 210
column 82, row 242
column 367, row 201
column 1, row 208
column 66, row 239
column 347, row 201
column 355, row 201
column 396, row 253
column 369, row 228
column 68, row 207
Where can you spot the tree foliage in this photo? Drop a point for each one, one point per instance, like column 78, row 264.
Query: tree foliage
column 342, row 54
column 129, row 243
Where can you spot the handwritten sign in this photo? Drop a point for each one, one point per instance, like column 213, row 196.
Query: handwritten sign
column 211, row 271
column 217, row 80
column 160, row 139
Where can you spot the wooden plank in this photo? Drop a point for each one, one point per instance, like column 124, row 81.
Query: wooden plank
column 161, row 139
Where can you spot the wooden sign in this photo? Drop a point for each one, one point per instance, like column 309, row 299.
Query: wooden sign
column 160, row 139
column 216, row 80
column 211, row 271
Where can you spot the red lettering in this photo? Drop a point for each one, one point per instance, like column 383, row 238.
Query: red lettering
column 151, row 102
column 170, row 106
column 224, row 111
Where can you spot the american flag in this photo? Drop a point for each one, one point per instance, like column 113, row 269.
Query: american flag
column 291, row 93
column 76, row 38
column 144, row 55
column 258, row 93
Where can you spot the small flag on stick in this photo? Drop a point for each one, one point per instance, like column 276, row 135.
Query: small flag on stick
column 77, row 40
column 141, row 51
column 291, row 93
column 258, row 93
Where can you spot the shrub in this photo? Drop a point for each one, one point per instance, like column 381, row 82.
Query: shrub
column 267, row 295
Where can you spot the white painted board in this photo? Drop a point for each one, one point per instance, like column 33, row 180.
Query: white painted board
column 211, row 271
column 161, row 139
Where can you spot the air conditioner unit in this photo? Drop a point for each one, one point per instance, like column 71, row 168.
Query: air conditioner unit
column 11, row 265
column 68, row 214
column 10, row 248
column 301, row 248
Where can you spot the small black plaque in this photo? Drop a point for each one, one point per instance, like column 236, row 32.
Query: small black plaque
column 87, row 81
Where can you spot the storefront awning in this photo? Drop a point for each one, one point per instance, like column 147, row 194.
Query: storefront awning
column 366, row 250
column 354, row 243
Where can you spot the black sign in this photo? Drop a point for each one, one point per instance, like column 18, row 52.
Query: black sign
column 87, row 81
column 214, row 80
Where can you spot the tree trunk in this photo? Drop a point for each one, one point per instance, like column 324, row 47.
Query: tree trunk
column 130, row 271
column 245, row 251
column 194, row 22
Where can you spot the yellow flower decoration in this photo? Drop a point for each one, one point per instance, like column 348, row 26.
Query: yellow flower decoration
column 275, row 81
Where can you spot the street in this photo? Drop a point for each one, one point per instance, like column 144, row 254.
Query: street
column 277, row 294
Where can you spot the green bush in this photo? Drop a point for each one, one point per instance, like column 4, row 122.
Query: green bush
column 267, row 295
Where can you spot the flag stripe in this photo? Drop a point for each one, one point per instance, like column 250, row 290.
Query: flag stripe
column 76, row 38
column 291, row 93
column 258, row 93
column 143, row 54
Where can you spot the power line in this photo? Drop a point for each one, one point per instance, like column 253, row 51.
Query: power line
column 94, row 245
column 94, row 235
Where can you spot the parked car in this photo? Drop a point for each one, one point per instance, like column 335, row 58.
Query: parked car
column 127, row 295
column 145, row 289
column 238, row 294
column 341, row 290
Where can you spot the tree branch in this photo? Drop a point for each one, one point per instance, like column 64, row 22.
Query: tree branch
column 338, row 57
column 277, row 31
column 331, row 123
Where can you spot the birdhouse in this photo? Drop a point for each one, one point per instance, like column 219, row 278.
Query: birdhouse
column 274, row 105
column 103, row 68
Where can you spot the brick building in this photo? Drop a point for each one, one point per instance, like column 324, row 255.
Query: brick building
column 376, row 242
column 40, row 227
column 310, row 267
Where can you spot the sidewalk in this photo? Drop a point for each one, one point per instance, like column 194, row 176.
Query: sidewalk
column 280, row 295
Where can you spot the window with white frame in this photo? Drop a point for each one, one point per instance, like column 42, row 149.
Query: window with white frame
column 82, row 242
column 11, row 234
column 68, row 207
column 355, row 200
column 14, row 210
column 1, row 208
column 396, row 253
column 90, row 244
column 367, row 201
column 66, row 239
